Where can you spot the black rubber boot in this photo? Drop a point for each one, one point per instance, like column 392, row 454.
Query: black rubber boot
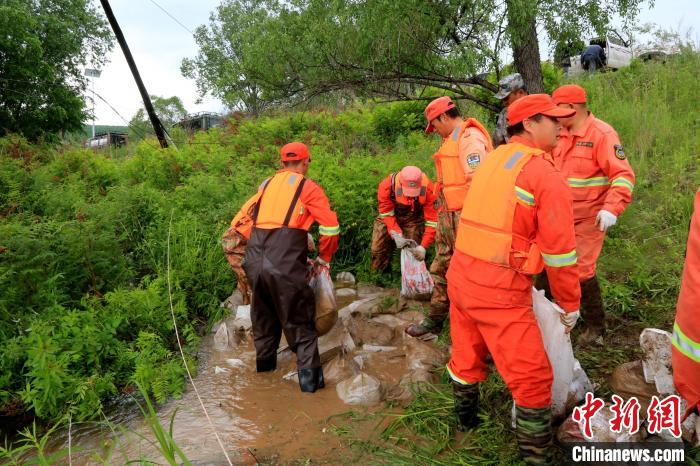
column 311, row 380
column 592, row 312
column 466, row 405
column 265, row 365
column 534, row 433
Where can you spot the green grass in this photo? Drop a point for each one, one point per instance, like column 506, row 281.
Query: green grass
column 84, row 310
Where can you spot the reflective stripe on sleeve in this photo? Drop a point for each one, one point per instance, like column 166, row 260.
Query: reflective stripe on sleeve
column 560, row 260
column 588, row 182
column 623, row 182
column 386, row 214
column 454, row 377
column 329, row 231
column 684, row 344
column 524, row 196
column 428, row 223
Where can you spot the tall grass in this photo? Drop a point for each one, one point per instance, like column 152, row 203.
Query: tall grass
column 33, row 447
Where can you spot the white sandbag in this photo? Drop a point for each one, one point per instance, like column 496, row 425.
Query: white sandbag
column 221, row 337
column 344, row 280
column 570, row 381
column 416, row 282
column 236, row 363
column 242, row 320
column 346, row 293
column 326, row 307
column 362, row 389
column 656, row 361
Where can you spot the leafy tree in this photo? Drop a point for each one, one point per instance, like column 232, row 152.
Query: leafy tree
column 255, row 53
column 564, row 49
column 44, row 46
column 170, row 111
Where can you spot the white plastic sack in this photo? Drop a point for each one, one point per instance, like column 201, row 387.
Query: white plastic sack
column 416, row 282
column 362, row 389
column 326, row 307
column 570, row 381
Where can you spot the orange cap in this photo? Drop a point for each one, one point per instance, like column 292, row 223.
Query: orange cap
column 569, row 94
column 531, row 105
column 436, row 108
column 294, row 151
column 411, row 180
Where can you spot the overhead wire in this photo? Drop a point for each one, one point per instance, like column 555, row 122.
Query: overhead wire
column 172, row 17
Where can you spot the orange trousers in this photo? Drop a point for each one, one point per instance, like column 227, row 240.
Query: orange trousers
column 589, row 243
column 511, row 335
column 686, row 377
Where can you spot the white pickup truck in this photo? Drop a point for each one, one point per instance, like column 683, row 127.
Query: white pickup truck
column 618, row 53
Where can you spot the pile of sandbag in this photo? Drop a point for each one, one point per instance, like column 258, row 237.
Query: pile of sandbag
column 643, row 379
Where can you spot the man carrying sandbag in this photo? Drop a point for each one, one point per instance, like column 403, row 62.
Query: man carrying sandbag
column 406, row 212
column 465, row 143
column 275, row 263
column 234, row 242
column 517, row 219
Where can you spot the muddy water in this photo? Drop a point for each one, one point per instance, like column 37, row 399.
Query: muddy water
column 257, row 416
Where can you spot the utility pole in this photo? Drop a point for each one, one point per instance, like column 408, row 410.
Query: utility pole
column 93, row 73
column 155, row 121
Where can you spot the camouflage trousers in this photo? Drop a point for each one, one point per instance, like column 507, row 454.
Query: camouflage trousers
column 534, row 434
column 234, row 245
column 412, row 225
column 444, row 248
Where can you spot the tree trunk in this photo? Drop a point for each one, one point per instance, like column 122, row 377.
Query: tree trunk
column 522, row 28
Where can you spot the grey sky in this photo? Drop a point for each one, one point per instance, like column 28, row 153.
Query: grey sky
column 159, row 44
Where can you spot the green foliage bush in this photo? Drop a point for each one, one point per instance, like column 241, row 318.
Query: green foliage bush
column 85, row 310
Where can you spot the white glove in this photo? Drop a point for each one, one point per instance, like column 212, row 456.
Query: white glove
column 310, row 242
column 568, row 319
column 399, row 239
column 321, row 262
column 418, row 252
column 605, row 220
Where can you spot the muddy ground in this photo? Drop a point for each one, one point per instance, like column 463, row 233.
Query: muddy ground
column 265, row 417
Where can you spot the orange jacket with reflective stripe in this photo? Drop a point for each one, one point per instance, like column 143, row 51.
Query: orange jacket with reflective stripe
column 311, row 206
column 596, row 167
column 453, row 168
column 388, row 198
column 517, row 217
column 686, row 329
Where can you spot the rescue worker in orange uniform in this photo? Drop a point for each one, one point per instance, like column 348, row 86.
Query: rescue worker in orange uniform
column 517, row 219
column 276, row 264
column 234, row 241
column 685, row 352
column 406, row 202
column 590, row 156
column 465, row 144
